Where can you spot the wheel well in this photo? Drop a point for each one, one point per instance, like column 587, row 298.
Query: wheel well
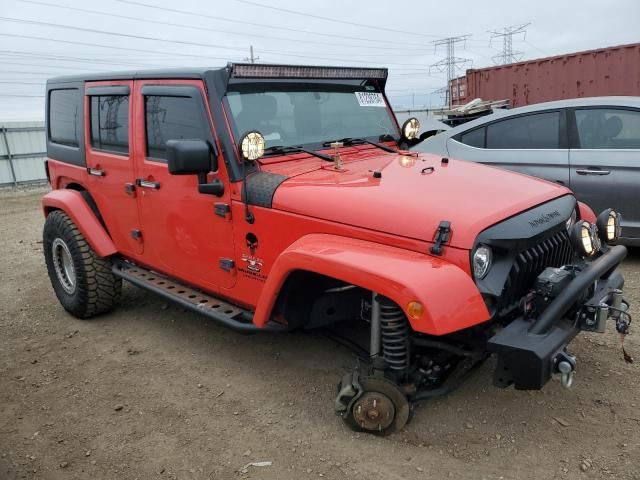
column 310, row 300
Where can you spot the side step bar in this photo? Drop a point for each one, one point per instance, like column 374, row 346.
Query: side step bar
column 222, row 312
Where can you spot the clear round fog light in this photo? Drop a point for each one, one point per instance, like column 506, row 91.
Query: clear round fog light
column 411, row 128
column 608, row 224
column 584, row 236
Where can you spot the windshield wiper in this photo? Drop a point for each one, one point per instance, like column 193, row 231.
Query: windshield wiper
column 359, row 141
column 280, row 150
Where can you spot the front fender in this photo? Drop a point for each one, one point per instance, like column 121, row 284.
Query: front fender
column 586, row 213
column 450, row 297
column 74, row 205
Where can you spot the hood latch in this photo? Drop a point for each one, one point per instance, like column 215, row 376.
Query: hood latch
column 442, row 236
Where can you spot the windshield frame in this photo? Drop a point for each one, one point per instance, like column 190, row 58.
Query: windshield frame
column 308, row 85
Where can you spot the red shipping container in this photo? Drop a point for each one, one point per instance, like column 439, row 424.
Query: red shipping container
column 593, row 73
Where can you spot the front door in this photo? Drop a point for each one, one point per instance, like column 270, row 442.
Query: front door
column 182, row 233
column 605, row 162
column 108, row 147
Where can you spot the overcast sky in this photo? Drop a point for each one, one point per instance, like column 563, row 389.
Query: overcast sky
column 399, row 35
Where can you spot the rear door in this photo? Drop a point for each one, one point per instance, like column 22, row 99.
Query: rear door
column 183, row 235
column 605, row 162
column 108, row 132
column 533, row 143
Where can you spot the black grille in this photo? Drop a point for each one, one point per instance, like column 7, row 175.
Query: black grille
column 554, row 251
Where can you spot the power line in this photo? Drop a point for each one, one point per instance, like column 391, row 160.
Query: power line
column 209, row 29
column 262, row 25
column 450, row 64
column 335, row 20
column 20, row 96
column 182, row 42
column 508, row 55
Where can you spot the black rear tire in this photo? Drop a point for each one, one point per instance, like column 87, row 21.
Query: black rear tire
column 82, row 281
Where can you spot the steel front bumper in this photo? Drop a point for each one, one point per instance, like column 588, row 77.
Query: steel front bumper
column 529, row 350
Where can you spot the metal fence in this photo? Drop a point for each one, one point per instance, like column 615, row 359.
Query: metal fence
column 22, row 153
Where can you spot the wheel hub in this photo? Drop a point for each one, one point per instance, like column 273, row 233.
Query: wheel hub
column 374, row 411
column 63, row 265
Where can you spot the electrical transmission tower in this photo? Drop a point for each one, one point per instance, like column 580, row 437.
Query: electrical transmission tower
column 450, row 64
column 508, row 55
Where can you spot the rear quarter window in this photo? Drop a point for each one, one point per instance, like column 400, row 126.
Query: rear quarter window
column 473, row 138
column 64, row 111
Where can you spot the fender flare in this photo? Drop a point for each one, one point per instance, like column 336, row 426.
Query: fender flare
column 73, row 204
column 450, row 297
column 586, row 213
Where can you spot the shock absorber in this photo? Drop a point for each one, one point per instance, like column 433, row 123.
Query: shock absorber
column 394, row 335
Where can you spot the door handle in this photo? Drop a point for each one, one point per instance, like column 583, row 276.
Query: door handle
column 593, row 172
column 96, row 172
column 148, row 184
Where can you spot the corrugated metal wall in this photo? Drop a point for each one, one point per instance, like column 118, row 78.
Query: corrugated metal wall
column 22, row 152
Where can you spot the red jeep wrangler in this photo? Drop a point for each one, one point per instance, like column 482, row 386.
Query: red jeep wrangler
column 275, row 198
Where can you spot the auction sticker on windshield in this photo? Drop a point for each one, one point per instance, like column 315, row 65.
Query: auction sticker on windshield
column 370, row 99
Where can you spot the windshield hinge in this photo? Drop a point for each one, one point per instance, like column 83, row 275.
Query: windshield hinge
column 442, row 237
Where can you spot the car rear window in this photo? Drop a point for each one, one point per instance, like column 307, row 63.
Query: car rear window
column 64, row 109
column 535, row 131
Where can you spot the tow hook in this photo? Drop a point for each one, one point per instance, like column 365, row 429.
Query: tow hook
column 566, row 367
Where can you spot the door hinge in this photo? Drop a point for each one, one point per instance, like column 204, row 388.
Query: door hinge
column 222, row 209
column 442, row 237
column 227, row 264
column 136, row 234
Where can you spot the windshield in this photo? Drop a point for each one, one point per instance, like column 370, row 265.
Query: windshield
column 308, row 114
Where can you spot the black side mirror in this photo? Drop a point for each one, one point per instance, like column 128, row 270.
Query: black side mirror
column 194, row 157
column 190, row 157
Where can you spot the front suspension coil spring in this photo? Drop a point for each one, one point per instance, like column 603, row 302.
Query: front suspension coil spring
column 394, row 330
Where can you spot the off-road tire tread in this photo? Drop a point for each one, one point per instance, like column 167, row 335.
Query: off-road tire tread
column 98, row 290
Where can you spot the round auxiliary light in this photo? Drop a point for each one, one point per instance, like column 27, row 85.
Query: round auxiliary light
column 608, row 223
column 584, row 236
column 252, row 146
column 482, row 258
column 411, row 128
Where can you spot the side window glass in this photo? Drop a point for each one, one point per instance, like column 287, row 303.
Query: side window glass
column 473, row 138
column 608, row 128
column 64, row 109
column 538, row 131
column 110, row 123
column 171, row 118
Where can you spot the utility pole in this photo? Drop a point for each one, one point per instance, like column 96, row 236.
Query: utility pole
column 450, row 64
column 508, row 55
column 251, row 58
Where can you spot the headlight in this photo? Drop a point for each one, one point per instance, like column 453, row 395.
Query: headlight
column 609, row 225
column 571, row 220
column 482, row 259
column 411, row 128
column 584, row 236
column 252, row 146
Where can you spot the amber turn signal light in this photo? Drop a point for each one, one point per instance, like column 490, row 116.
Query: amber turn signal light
column 415, row 310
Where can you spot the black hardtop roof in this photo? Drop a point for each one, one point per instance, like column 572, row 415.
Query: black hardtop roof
column 163, row 73
column 201, row 72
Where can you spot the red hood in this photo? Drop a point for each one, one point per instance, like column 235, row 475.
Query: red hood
column 405, row 201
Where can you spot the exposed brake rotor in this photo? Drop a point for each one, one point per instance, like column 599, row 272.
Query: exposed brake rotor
column 373, row 411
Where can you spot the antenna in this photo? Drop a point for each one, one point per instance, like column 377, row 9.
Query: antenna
column 508, row 55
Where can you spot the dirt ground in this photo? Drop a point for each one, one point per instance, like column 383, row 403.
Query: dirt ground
column 149, row 391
